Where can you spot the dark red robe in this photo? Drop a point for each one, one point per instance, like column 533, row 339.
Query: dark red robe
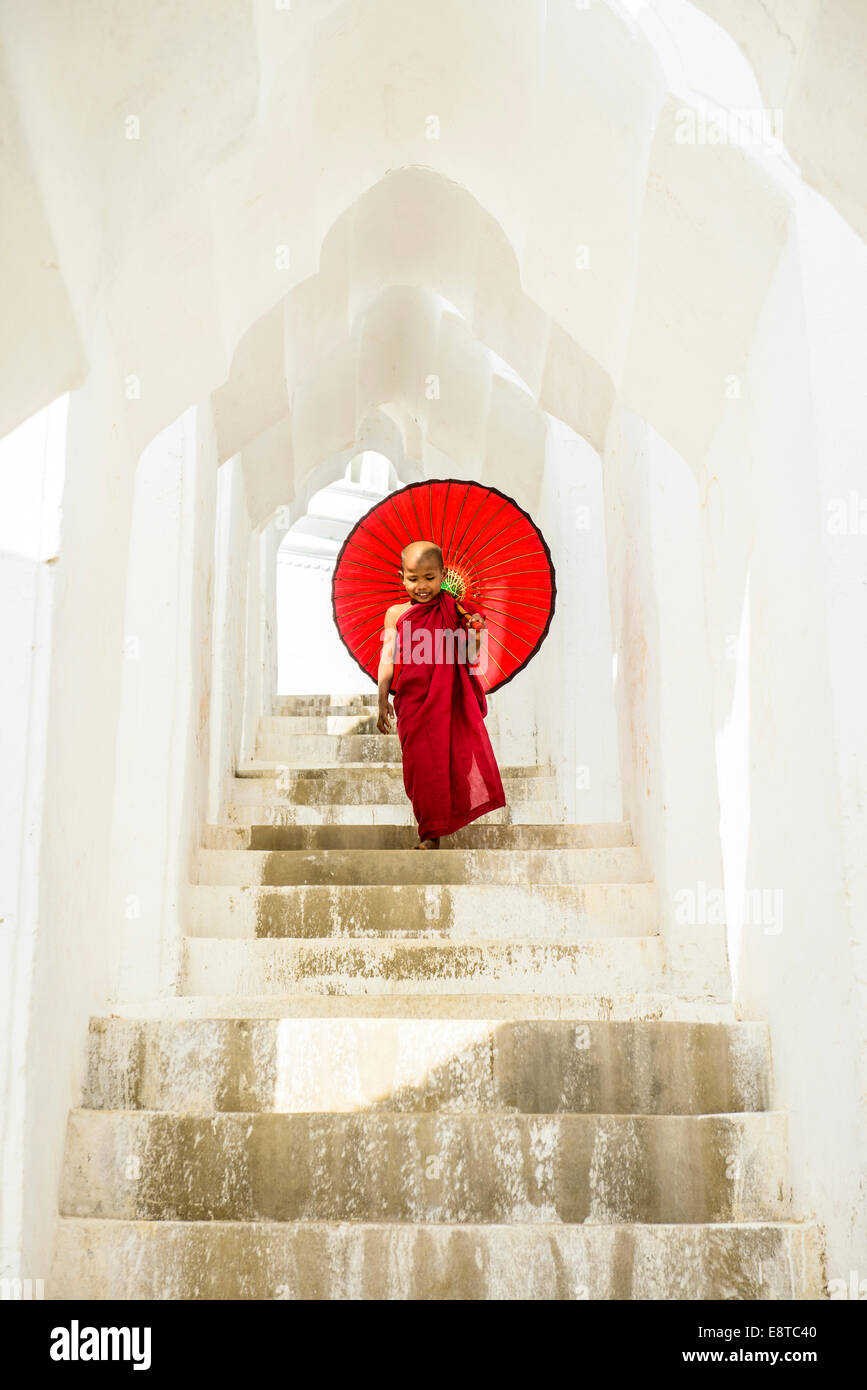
column 449, row 769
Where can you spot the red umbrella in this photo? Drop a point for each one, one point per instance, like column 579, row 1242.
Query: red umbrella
column 493, row 552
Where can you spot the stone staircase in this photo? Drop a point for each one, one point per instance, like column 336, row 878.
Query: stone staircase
column 458, row 1074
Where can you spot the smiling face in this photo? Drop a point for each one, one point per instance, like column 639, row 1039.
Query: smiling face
column 422, row 572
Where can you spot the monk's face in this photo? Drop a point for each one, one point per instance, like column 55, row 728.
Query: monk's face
column 422, row 575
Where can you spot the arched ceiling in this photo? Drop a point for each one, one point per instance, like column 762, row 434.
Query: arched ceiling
column 810, row 59
column 369, row 328
column 410, row 380
column 516, row 156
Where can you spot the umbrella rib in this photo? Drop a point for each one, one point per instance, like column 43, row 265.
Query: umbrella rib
column 451, row 545
column 514, row 541
column 457, row 519
column 352, row 612
column 532, row 573
column 388, row 553
column 415, row 509
column 364, row 565
column 528, row 555
column 463, row 548
column 477, row 555
column 400, row 519
column 534, row 607
column 512, row 654
column 460, row 553
column 372, row 561
column 381, row 517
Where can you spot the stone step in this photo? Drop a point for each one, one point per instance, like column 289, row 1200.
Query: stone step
column 155, row 1165
column 316, row 749
column 608, row 966
column 288, row 705
column 319, row 750
column 126, row 1260
column 533, row 1066
column 458, row 912
column 644, row 1004
column 271, row 768
column 380, row 783
column 479, row 835
column 234, row 868
column 360, row 721
column 374, row 813
column 356, row 722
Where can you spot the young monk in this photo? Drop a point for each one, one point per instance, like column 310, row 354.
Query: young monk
column 449, row 769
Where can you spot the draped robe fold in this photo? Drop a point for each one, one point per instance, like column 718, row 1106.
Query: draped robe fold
column 449, row 769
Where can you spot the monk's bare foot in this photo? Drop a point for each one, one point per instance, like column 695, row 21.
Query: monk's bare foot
column 428, row 844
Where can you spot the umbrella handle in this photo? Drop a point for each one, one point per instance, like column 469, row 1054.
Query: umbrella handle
column 462, row 611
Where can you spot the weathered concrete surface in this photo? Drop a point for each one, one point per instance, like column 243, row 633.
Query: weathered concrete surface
column 309, row 749
column 301, row 706
column 456, row 1075
column 457, row 911
column 387, row 866
column 362, row 721
column 613, row 965
column 356, row 1260
column 645, row 1005
column 286, row 784
column 361, row 814
column 535, row 1066
column 481, row 834
column 472, row 1167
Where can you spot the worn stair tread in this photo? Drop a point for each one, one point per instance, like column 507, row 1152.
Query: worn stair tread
column 380, row 814
column 341, row 1260
column 273, row 767
column 411, row 911
column 350, row 1064
column 635, row 1006
column 235, row 867
column 360, row 835
column 378, row 967
column 348, row 1013
column 425, row 1166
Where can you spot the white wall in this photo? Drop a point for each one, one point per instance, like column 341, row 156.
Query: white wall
column 162, row 734
column 111, row 790
column 32, row 461
column 789, row 622
column 571, row 675
column 227, row 642
column 663, row 692
column 77, row 694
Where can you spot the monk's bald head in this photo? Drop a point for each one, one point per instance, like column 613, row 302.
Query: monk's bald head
column 419, row 555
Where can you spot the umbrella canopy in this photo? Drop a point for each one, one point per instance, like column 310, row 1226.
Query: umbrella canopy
column 494, row 556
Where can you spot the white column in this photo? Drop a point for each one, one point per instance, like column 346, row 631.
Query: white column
column 32, row 461
column 664, row 694
column 162, row 742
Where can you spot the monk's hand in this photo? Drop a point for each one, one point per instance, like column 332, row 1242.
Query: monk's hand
column 475, row 621
column 386, row 715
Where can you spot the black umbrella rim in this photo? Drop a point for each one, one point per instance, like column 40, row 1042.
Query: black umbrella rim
column 427, row 482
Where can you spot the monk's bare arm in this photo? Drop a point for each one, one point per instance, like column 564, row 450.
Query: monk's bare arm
column 386, row 668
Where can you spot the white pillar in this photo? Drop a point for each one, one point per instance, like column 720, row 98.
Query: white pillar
column 158, row 803
column 32, row 461
column 664, row 694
